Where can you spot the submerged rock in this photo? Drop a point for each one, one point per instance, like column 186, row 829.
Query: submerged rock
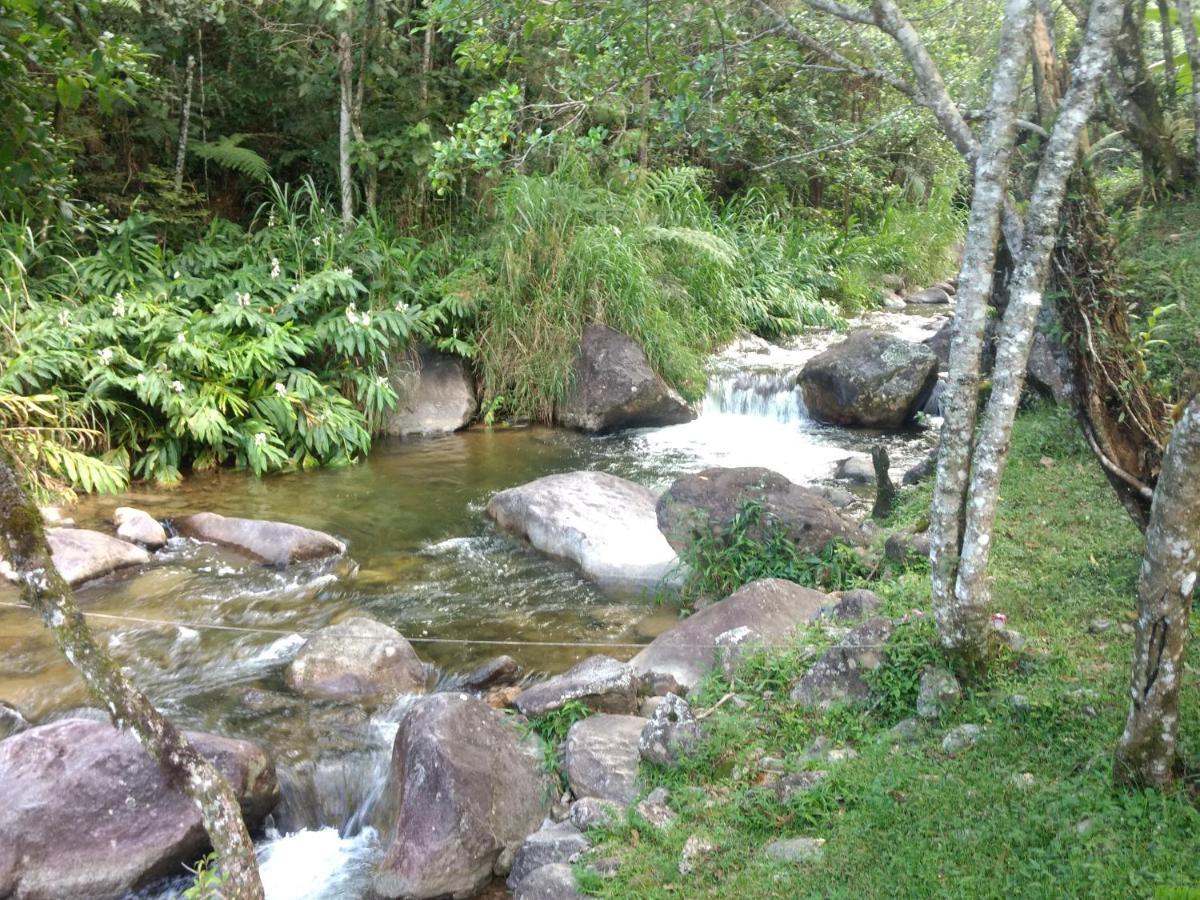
column 463, row 791
column 771, row 607
column 601, row 757
column 837, row 677
column 434, row 394
column 138, row 527
column 600, row 683
column 274, row 543
column 604, row 523
column 614, row 387
column 869, row 380
column 707, row 502
column 358, row 659
column 87, row 813
column 81, row 555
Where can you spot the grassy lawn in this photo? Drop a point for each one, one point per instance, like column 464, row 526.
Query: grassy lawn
column 1029, row 812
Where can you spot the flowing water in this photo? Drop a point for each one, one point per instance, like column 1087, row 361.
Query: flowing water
column 424, row 559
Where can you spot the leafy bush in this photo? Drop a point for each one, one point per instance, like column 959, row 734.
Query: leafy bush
column 754, row 547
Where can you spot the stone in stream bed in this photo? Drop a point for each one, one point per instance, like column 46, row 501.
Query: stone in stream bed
column 87, row 813
column 81, row 555
column 274, row 543
column 138, row 527
column 600, row 683
column 360, row 660
column 461, row 791
column 605, row 524
column 435, row 395
column 614, row 387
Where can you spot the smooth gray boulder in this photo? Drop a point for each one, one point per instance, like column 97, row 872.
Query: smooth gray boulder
column 274, row 543
column 600, row 683
column 869, row 380
column 556, row 842
column 553, row 882
column 358, row 660
column 88, row 814
column 498, row 671
column 856, row 469
column 771, row 607
column 435, row 395
column 461, row 790
column 707, row 502
column 605, row 524
column 138, row 527
column 614, row 387
column 930, row 296
column 601, row 757
column 671, row 733
column 81, row 555
column 837, row 677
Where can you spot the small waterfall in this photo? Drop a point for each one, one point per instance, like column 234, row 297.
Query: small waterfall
column 768, row 395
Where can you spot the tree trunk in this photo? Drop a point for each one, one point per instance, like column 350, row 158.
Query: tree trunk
column 1168, row 45
column 371, row 175
column 1146, row 752
column 185, row 118
column 966, row 350
column 346, row 79
column 1188, row 24
column 972, row 593
column 23, row 544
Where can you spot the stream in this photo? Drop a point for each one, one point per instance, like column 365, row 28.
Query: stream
column 424, row 559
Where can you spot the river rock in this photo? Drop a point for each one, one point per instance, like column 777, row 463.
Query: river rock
column 732, row 647
column 893, row 281
column 138, row 527
column 964, row 737
column 922, row 470
column 931, row 296
column 869, row 380
column 906, row 546
column 496, row 672
column 614, row 387
column 87, row 813
column 592, row 812
column 434, row 394
column 671, row 733
column 604, row 523
column 1044, row 372
column 600, row 683
column 81, row 555
column 655, row 809
column 274, row 543
column 855, row 605
column 601, row 757
column 856, row 470
column 11, row 720
column 708, row 501
column 553, row 882
column 772, row 607
column 938, row 692
column 358, row 660
column 554, row 842
column 463, row 791
column 837, row 677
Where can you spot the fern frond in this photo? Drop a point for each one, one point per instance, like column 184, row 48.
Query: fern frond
column 229, row 153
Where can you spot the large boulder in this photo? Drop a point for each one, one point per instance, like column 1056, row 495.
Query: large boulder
column 81, row 555
column 435, row 394
column 87, row 813
column 360, row 660
column 771, row 607
column 869, row 380
column 604, row 523
column 601, row 757
column 614, row 387
column 600, row 683
column 138, row 527
column 274, row 543
column 707, row 502
column 462, row 791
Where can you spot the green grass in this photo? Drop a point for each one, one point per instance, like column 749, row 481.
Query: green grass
column 906, row 820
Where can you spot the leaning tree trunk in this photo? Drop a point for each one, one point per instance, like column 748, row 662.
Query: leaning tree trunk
column 23, row 543
column 1188, row 25
column 185, row 118
column 1146, row 752
column 966, row 349
column 346, row 81
column 972, row 595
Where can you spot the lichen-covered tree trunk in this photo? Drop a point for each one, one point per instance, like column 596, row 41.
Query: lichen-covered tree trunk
column 185, row 121
column 23, row 544
column 1170, row 73
column 1187, row 25
column 961, row 400
column 1146, row 751
column 346, row 84
column 971, row 590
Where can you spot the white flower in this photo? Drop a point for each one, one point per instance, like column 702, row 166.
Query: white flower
column 347, row 271
column 177, row 387
column 64, row 318
column 317, row 240
column 181, row 338
column 351, row 314
column 402, row 307
column 364, row 320
column 260, row 439
column 141, row 378
column 118, row 309
column 280, row 389
column 381, row 381
column 274, row 267
column 243, row 299
column 105, row 355
column 177, row 275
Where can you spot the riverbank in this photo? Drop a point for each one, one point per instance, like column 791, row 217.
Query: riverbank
column 1029, row 811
